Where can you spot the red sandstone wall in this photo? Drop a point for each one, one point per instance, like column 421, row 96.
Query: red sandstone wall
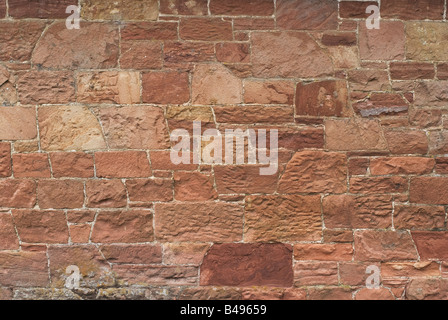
column 86, row 177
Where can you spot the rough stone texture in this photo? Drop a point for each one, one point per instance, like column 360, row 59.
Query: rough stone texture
column 128, row 164
column 69, row 128
column 17, row 193
column 353, row 212
column 315, row 172
column 214, row 84
column 307, row 15
column 165, row 87
column 419, row 217
column 10, row 241
column 327, row 98
column 41, row 226
column 42, row 87
column 285, row 218
column 60, row 194
column 23, row 269
column 109, row 87
column 94, row 45
column 205, row 222
column 373, row 245
column 354, row 134
column 248, row 265
column 87, row 124
column 134, row 128
column 422, row 190
column 387, row 43
column 17, row 123
column 274, row 55
column 119, row 10
column 39, row 9
column 123, row 227
column 18, row 39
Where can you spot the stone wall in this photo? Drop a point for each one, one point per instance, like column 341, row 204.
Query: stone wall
column 87, row 179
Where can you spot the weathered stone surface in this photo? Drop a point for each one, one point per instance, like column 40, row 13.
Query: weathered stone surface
column 381, row 294
column 426, row 41
column 134, row 127
column 93, row 45
column 275, row 55
column 315, row 171
column 148, row 190
column 431, row 245
column 180, row 7
column 411, row 70
column 8, row 233
column 282, row 218
column 166, row 87
column 41, row 87
column 60, row 194
column 419, row 217
column 69, row 128
column 205, row 29
column 354, row 134
column 412, row 10
column 120, row 10
column 378, row 185
column 160, row 30
column 18, row 39
column 246, row 8
column 356, row 212
column 23, row 269
column 215, row 84
column 184, row 53
column 17, row 123
column 337, row 38
column 323, row 252
column 422, row 190
column 233, row 52
column 379, row 104
column 194, row 186
column 438, row 143
column 330, row 293
column 369, row 80
column 303, row 15
column 371, row 245
column 122, row 164
column 123, row 227
column 198, row 222
column 427, row 289
column 120, row 87
column 17, row 193
column 32, row 165
column 431, row 93
column 254, row 114
column 141, row 55
column 325, row 98
column 184, row 253
column 407, row 141
column 105, row 194
column 132, row 254
column 386, row 43
column 401, row 165
column 41, row 226
column 355, row 9
column 94, row 270
column 135, row 275
column 268, row 92
column 80, row 233
column 19, row 9
column 248, row 265
column 243, row 179
column 315, row 273
column 340, row 236
column 72, row 164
